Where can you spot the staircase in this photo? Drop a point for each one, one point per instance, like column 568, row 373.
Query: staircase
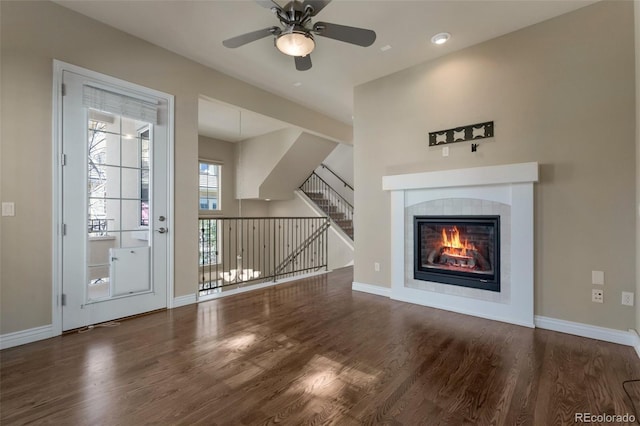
column 330, row 202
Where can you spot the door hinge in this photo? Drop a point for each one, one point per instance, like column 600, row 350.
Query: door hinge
column 64, row 229
column 63, row 159
column 63, row 299
column 64, row 89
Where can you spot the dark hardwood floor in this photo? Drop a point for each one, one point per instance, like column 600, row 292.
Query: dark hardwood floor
column 313, row 352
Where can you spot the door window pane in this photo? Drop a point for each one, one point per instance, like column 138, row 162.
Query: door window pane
column 118, row 181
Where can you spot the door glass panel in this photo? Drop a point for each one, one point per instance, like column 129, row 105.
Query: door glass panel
column 104, row 145
column 118, row 213
column 104, row 181
column 132, row 142
column 112, row 215
column 130, row 215
column 131, row 183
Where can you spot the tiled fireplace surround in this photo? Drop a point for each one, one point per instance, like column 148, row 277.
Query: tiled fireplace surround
column 505, row 190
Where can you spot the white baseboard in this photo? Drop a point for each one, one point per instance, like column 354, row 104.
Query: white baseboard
column 585, row 330
column 23, row 337
column 636, row 341
column 187, row 299
column 258, row 286
column 471, row 313
column 372, row 289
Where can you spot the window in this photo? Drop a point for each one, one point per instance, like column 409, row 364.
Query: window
column 209, row 186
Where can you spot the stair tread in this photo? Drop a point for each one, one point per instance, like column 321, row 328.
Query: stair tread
column 331, row 210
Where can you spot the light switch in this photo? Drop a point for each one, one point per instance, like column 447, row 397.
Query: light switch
column 445, row 151
column 597, row 277
column 8, row 209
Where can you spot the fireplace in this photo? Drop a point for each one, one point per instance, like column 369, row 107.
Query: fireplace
column 504, row 191
column 458, row 250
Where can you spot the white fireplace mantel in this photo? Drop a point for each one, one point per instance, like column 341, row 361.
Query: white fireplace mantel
column 510, row 185
column 491, row 175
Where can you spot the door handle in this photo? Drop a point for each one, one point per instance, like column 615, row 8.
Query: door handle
column 162, row 230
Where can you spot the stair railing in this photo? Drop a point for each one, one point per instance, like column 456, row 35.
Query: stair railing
column 329, row 201
column 314, row 244
column 344, row 182
column 241, row 251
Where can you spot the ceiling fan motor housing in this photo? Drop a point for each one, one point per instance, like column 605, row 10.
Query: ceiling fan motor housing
column 295, row 40
column 296, row 37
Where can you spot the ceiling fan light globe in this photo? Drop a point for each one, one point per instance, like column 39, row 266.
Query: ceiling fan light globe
column 295, row 43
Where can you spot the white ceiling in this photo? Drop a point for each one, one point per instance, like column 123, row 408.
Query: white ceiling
column 195, row 29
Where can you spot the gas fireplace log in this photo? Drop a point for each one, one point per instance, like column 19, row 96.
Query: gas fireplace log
column 481, row 261
column 431, row 258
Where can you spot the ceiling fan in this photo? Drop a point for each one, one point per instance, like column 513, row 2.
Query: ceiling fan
column 295, row 37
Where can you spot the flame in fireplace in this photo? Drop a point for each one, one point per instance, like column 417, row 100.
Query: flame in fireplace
column 452, row 243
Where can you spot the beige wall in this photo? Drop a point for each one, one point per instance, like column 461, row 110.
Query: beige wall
column 32, row 35
column 560, row 93
column 225, row 153
column 258, row 156
column 273, row 165
column 295, row 166
column 341, row 162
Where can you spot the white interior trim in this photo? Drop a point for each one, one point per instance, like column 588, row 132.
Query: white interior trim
column 58, row 68
column 586, row 330
column 187, row 299
column 510, row 184
column 23, row 337
column 371, row 289
column 636, row 341
column 490, row 175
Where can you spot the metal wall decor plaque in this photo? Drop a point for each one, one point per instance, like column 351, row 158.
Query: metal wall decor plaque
column 462, row 134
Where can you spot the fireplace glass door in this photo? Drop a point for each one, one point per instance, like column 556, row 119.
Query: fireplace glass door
column 458, row 250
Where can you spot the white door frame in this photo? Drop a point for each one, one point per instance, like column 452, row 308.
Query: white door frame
column 58, row 68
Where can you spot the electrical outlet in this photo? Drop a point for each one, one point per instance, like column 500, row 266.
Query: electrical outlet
column 627, row 298
column 597, row 295
column 376, row 266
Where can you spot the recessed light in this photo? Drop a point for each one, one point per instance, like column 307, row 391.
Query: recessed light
column 297, row 84
column 385, row 47
column 440, row 38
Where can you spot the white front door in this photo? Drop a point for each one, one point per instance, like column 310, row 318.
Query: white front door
column 115, row 201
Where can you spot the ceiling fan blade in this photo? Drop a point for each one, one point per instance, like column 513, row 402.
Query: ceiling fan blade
column 243, row 39
column 353, row 35
column 316, row 5
column 303, row 63
column 268, row 4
